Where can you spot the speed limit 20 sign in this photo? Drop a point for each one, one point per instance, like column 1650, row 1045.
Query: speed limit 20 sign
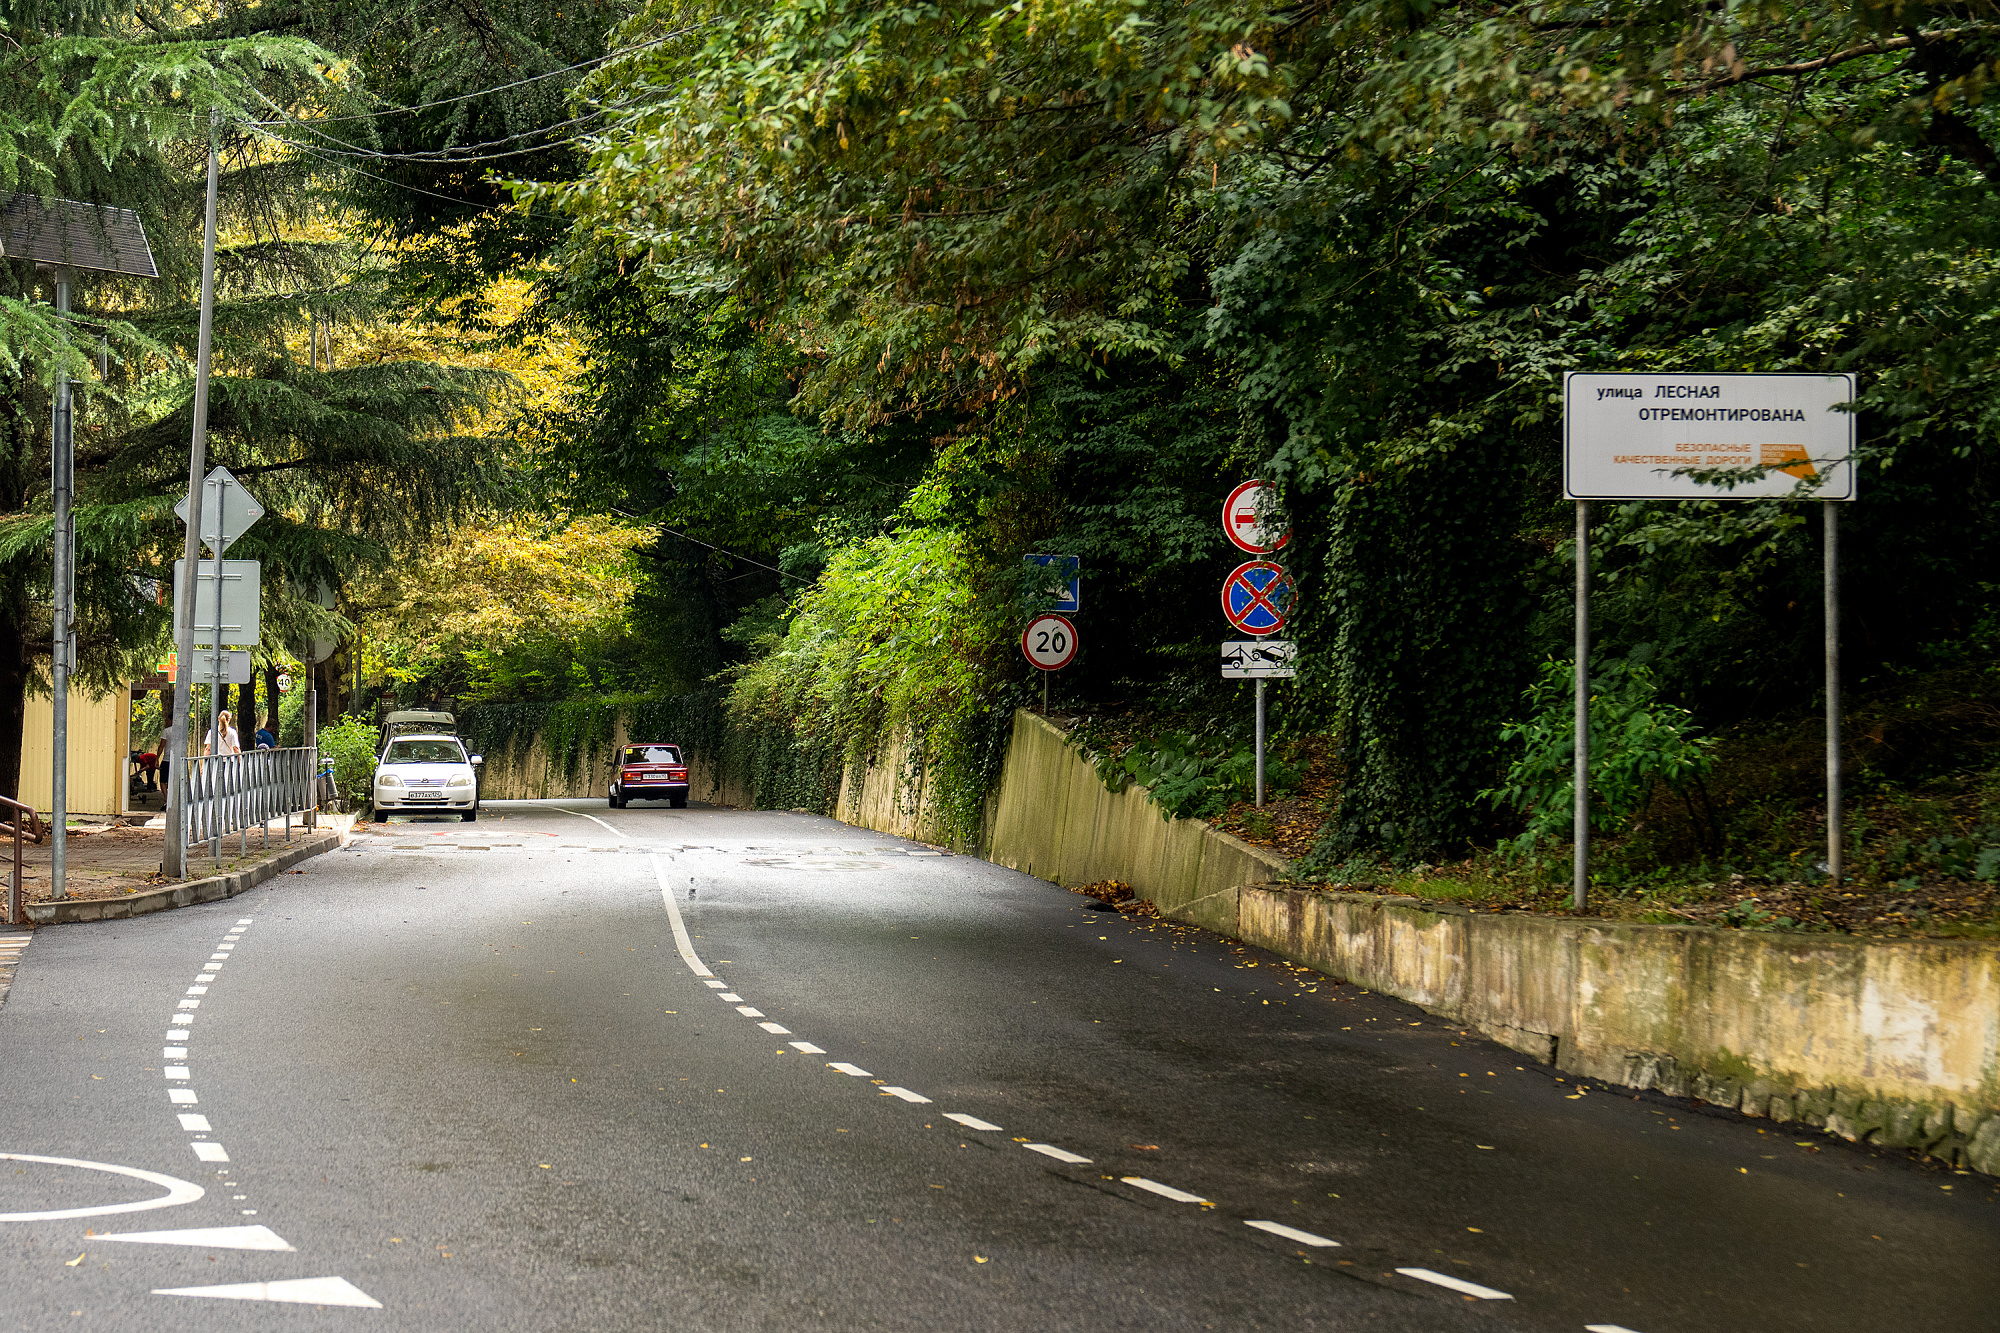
column 1049, row 642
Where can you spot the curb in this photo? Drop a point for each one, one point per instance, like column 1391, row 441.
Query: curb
column 213, row 889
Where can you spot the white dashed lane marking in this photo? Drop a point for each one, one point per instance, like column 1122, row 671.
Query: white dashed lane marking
column 1457, row 1284
column 1164, row 1191
column 776, row 1029
column 969, row 1121
column 1060, row 1154
column 807, row 1048
column 906, row 1095
column 1293, row 1233
column 856, row 1070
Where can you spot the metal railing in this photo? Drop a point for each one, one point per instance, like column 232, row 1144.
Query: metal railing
column 234, row 793
column 21, row 820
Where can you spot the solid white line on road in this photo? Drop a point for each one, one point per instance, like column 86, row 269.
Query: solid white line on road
column 906, row 1095
column 1164, row 1191
column 748, row 1012
column 299, row 1291
column 209, row 1152
column 807, row 1048
column 681, row 940
column 173, row 1052
column 207, row 1238
column 175, row 1071
column 600, row 823
column 182, row 1096
column 1607, row 1328
column 776, row 1029
column 1293, row 1233
column 1050, row 1150
column 1457, row 1284
column 856, row 1070
column 199, row 1122
column 969, row 1121
column 730, row 997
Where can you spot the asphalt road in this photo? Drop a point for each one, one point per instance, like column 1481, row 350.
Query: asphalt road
column 466, row 1077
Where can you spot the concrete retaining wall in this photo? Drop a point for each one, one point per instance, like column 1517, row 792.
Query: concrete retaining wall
column 1894, row 1042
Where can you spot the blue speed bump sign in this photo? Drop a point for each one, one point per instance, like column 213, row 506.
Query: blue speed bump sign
column 1056, row 577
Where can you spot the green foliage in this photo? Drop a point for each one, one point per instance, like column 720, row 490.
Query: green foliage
column 1156, row 248
column 894, row 637
column 1191, row 776
column 350, row 744
column 1637, row 743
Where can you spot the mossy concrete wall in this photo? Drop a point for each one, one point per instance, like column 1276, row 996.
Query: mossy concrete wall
column 1894, row 1042
column 1888, row 1041
column 1051, row 817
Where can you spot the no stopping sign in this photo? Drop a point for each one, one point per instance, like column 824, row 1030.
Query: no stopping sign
column 1049, row 642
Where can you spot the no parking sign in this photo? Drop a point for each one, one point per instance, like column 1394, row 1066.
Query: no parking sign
column 1257, row 597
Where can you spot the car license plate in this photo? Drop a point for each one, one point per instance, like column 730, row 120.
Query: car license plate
column 426, row 796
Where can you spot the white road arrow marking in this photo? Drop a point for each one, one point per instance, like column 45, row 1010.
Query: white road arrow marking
column 299, row 1291
column 208, row 1238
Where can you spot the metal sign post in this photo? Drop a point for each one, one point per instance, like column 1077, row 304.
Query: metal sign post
column 1706, row 437
column 1049, row 643
column 1257, row 597
column 175, row 861
column 60, row 236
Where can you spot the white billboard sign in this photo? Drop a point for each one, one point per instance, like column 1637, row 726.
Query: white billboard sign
column 1642, row 437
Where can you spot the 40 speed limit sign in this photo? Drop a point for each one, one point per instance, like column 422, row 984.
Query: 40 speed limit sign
column 1049, row 642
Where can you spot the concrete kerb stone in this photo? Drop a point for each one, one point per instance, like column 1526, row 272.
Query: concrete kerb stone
column 215, row 888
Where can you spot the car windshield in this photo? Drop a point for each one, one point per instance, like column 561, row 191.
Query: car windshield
column 652, row 754
column 424, row 752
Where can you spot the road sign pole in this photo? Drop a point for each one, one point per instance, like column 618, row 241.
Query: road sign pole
column 62, row 479
column 1831, row 553
column 175, row 861
column 1580, row 779
column 1260, row 742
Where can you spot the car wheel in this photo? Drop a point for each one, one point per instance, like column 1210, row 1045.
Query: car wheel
column 680, row 802
column 470, row 815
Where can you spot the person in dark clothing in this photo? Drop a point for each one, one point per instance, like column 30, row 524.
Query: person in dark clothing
column 265, row 740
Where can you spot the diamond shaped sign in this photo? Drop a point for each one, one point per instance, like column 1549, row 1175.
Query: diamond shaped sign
column 227, row 510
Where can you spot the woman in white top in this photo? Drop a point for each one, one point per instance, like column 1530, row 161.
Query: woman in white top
column 227, row 731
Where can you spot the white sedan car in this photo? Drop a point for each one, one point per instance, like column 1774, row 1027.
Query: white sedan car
column 427, row 775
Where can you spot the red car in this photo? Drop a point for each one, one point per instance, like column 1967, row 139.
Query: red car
column 653, row 771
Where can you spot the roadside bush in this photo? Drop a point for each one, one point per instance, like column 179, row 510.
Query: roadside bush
column 350, row 745
column 1637, row 742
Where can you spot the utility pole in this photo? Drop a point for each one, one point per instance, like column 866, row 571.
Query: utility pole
column 62, row 486
column 175, row 864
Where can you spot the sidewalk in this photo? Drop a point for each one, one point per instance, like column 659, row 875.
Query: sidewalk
column 120, row 861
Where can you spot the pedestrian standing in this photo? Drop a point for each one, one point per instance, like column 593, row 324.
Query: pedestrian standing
column 222, row 740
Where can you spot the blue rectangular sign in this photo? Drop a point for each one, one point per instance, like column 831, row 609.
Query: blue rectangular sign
column 1062, row 583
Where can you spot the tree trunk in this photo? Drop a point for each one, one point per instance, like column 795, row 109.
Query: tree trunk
column 271, row 699
column 246, row 711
